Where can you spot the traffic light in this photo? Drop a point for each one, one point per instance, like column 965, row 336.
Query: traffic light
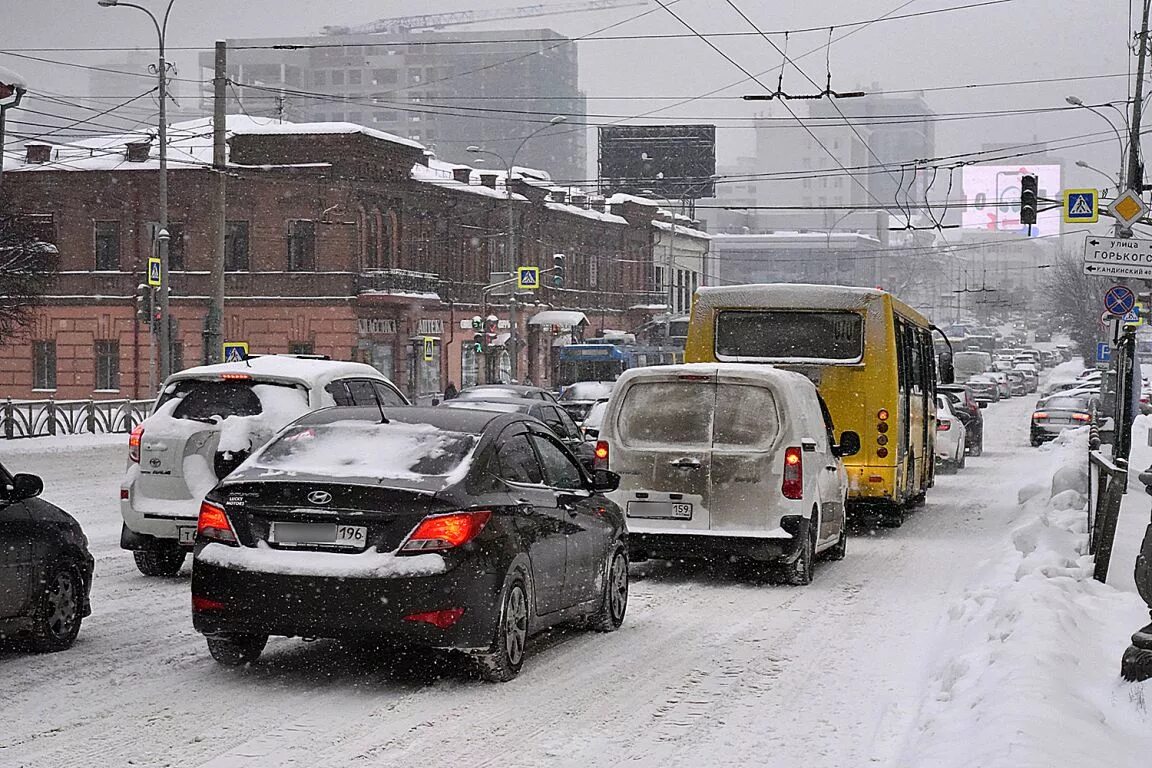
column 478, row 342
column 558, row 270
column 144, row 305
column 491, row 328
column 477, row 323
column 1028, row 187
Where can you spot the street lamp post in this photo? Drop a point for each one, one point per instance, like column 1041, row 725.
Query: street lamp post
column 10, row 96
column 162, row 135
column 1118, row 183
column 510, row 257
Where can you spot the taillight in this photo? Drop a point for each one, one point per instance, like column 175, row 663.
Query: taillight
column 134, row 443
column 438, row 532
column 439, row 619
column 943, row 426
column 1039, row 415
column 1081, row 417
column 600, row 455
column 793, row 485
column 206, row 604
column 213, row 524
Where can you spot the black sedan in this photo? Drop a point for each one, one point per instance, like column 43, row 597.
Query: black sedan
column 1057, row 413
column 500, row 391
column 437, row 527
column 45, row 567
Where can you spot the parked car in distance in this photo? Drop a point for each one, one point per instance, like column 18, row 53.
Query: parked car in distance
column 950, row 437
column 968, row 411
column 1057, row 413
column 1017, row 382
column 984, row 389
column 206, row 421
column 594, row 419
column 551, row 414
column 45, row 568
column 498, row 391
column 722, row 461
column 438, row 527
column 1003, row 385
column 578, row 398
column 1043, row 334
column 1031, row 375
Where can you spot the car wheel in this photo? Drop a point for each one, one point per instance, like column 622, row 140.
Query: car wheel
column 236, row 650
column 978, row 446
column 56, row 620
column 963, row 458
column 504, row 661
column 799, row 572
column 614, row 603
column 161, row 558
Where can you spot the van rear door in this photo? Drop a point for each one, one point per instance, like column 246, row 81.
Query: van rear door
column 747, row 468
column 663, row 452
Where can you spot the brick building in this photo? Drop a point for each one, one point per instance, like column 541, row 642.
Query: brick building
column 340, row 240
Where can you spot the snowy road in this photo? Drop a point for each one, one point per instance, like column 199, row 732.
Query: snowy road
column 708, row 669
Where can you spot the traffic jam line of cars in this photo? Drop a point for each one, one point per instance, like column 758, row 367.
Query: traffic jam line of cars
column 318, row 503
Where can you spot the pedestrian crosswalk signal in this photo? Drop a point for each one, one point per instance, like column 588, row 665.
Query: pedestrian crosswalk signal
column 1028, row 188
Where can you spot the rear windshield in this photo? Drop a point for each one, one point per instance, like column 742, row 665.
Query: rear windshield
column 488, row 393
column 685, row 414
column 786, row 335
column 587, row 390
column 215, row 400
column 393, row 451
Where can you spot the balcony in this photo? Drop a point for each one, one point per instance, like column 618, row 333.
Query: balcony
column 398, row 282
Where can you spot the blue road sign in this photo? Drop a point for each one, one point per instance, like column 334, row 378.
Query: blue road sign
column 235, row 351
column 1081, row 206
column 1103, row 352
column 1119, row 300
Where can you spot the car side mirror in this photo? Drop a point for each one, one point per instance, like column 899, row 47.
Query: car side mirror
column 25, row 486
column 849, row 444
column 605, row 481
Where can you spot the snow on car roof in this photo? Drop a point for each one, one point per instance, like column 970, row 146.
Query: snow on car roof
column 284, row 367
column 777, row 377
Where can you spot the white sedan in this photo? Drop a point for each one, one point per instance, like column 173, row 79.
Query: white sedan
column 949, row 437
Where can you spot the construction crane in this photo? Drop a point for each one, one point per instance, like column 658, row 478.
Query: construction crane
column 441, row 20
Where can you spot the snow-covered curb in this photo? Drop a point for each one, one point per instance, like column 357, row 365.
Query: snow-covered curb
column 28, row 446
column 1027, row 669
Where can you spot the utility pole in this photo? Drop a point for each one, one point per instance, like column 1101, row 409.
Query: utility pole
column 213, row 331
column 10, row 96
column 1135, row 180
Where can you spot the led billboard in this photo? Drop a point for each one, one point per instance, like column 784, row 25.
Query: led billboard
column 992, row 198
column 674, row 161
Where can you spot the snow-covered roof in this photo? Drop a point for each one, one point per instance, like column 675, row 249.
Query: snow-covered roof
column 586, row 213
column 8, row 77
column 189, row 145
column 284, row 366
column 439, row 173
column 620, row 197
column 679, row 230
column 778, row 235
column 782, row 381
column 276, row 128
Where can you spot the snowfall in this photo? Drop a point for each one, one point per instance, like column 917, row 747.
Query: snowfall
column 973, row 636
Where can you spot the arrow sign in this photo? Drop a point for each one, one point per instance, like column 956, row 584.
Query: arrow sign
column 1117, row 250
column 1142, row 272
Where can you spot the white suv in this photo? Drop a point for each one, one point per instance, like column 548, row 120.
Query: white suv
column 209, row 419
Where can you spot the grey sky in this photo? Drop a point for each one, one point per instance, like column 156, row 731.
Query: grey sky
column 1022, row 39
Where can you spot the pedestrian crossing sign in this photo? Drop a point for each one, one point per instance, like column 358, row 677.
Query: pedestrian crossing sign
column 429, row 348
column 154, row 271
column 235, row 351
column 1081, row 206
column 527, row 278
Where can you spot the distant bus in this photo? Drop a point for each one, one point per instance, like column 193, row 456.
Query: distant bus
column 605, row 362
column 871, row 357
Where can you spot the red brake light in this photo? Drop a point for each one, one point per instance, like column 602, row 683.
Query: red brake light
column 1081, row 417
column 943, row 426
column 793, row 485
column 439, row 619
column 213, row 524
column 235, row 377
column 882, row 414
column 1039, row 415
column 206, row 604
column 438, row 532
column 600, row 455
column 134, row 443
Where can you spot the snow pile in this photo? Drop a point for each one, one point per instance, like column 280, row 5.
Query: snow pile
column 279, row 405
column 1028, row 665
column 361, row 565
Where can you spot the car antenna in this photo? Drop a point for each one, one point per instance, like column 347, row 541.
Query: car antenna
column 380, row 405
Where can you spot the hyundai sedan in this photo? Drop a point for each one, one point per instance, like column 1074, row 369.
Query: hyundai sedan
column 446, row 528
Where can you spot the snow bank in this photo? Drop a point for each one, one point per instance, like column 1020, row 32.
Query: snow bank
column 361, row 565
column 1027, row 670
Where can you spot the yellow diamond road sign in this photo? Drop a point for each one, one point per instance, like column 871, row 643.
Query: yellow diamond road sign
column 1128, row 208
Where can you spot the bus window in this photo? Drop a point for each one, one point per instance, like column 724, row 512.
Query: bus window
column 789, row 335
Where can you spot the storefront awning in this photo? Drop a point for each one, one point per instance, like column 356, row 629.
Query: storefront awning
column 566, row 318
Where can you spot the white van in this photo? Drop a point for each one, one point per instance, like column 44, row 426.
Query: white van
column 727, row 460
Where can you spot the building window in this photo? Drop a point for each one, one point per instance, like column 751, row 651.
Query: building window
column 593, row 270
column 108, row 365
column 385, row 76
column 337, row 77
column 108, row 246
column 320, row 77
column 236, row 246
column 38, row 226
column 355, row 76
column 44, row 365
column 301, row 245
column 301, row 348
